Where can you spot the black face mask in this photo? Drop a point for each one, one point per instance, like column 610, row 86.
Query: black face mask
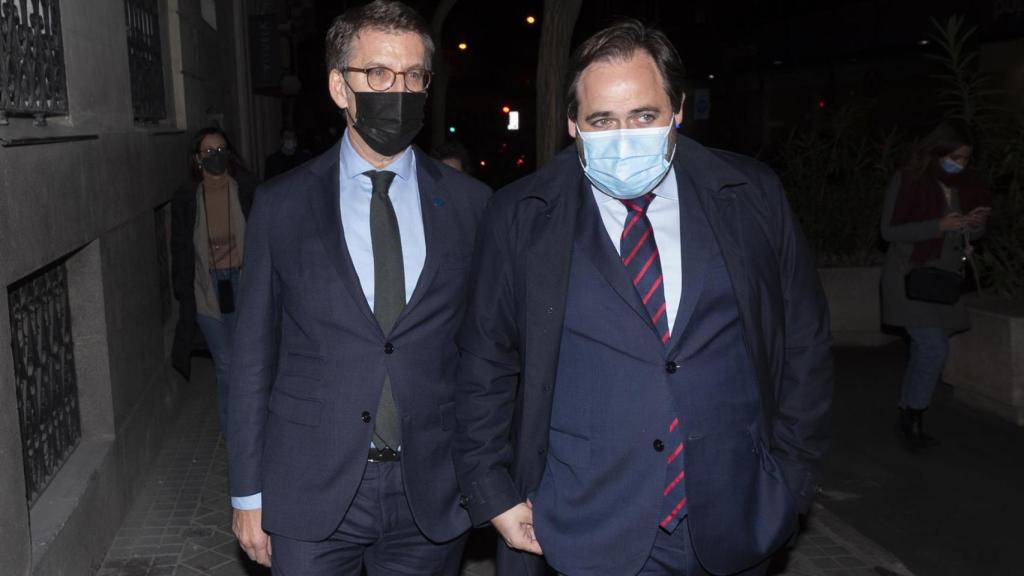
column 388, row 121
column 216, row 163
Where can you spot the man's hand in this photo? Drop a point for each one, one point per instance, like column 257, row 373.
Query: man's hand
column 247, row 526
column 516, row 528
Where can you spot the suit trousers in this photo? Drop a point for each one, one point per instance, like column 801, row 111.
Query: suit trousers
column 378, row 532
column 672, row 555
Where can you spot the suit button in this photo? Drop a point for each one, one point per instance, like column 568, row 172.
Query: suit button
column 463, row 501
column 366, row 417
column 671, row 367
column 389, row 348
column 658, row 445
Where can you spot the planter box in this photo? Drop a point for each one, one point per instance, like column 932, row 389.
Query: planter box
column 986, row 363
column 853, row 300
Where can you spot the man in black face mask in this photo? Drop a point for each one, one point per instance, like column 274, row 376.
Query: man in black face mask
column 341, row 409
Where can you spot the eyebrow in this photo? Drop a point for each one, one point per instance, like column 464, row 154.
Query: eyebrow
column 375, row 64
column 604, row 114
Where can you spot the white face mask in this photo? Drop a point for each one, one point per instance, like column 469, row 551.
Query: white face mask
column 626, row 163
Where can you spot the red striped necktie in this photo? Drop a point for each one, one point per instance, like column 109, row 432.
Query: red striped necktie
column 639, row 253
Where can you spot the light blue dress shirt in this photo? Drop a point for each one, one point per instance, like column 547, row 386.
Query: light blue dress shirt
column 354, row 204
column 356, row 190
column 664, row 216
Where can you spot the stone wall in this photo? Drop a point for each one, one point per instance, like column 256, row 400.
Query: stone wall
column 986, row 363
column 854, row 302
column 90, row 189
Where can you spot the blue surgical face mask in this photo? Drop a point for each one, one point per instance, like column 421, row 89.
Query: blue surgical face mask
column 627, row 163
column 949, row 166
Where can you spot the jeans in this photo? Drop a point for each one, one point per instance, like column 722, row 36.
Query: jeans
column 219, row 336
column 928, row 350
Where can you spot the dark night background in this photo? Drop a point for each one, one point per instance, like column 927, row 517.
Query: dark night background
column 767, row 66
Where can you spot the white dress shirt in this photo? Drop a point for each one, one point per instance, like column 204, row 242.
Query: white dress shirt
column 664, row 216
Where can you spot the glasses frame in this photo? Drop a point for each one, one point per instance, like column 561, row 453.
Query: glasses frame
column 428, row 75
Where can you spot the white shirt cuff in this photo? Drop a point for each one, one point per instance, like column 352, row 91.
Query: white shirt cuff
column 247, row 502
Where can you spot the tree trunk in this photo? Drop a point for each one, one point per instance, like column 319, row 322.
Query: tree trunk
column 439, row 86
column 552, row 65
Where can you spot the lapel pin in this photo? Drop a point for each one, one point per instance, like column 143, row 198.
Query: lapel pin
column 439, row 202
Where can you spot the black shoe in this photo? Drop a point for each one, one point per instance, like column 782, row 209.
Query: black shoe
column 912, row 425
column 906, row 424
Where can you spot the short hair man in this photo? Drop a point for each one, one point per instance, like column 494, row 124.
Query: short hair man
column 286, row 157
column 647, row 322
column 344, row 373
column 453, row 154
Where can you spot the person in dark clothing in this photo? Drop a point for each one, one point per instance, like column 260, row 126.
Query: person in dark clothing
column 288, row 156
column 208, row 216
column 454, row 154
column 638, row 292
column 343, row 376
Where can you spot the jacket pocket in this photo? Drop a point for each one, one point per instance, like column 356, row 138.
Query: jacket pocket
column 304, row 411
column 303, row 365
column 569, row 449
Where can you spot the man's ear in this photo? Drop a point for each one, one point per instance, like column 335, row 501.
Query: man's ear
column 678, row 116
column 336, row 86
column 570, row 126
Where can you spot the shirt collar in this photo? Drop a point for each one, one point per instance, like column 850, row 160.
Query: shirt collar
column 353, row 165
column 666, row 189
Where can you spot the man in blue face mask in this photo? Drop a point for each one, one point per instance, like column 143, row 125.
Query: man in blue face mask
column 344, row 374
column 645, row 371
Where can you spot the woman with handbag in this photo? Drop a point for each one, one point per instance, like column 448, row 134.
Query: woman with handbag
column 207, row 236
column 933, row 208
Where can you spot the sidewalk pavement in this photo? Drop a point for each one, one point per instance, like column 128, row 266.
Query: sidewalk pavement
column 180, row 524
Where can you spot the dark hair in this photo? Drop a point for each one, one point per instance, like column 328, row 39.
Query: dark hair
column 455, row 150
column 619, row 42
column 197, row 140
column 384, row 15
column 943, row 140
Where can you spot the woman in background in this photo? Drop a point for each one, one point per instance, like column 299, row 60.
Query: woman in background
column 207, row 237
column 933, row 207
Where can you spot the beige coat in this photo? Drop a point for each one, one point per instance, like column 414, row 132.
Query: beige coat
column 206, row 295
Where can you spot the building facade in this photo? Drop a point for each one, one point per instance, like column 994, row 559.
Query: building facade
column 97, row 103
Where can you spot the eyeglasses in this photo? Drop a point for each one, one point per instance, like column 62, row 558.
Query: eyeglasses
column 211, row 151
column 381, row 78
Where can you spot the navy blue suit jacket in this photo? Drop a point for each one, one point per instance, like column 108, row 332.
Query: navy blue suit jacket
column 309, row 357
column 510, row 341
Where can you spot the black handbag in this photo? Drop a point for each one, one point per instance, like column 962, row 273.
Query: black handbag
column 930, row 284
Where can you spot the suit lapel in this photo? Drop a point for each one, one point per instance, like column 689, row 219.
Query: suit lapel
column 324, row 204
column 697, row 246
column 595, row 245
column 435, row 211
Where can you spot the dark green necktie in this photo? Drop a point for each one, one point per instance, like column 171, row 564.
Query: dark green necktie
column 388, row 293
